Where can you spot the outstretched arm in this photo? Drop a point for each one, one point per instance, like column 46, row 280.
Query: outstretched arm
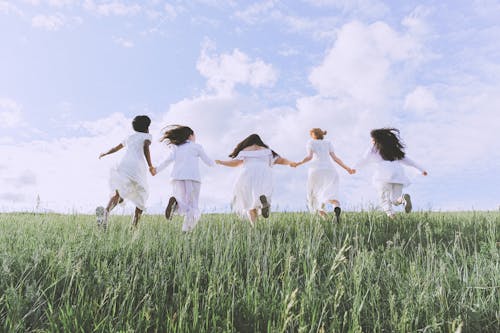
column 304, row 160
column 204, row 157
column 282, row 161
column 232, row 163
column 147, row 155
column 410, row 162
column 111, row 151
column 339, row 162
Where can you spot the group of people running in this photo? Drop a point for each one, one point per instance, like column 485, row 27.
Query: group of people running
column 254, row 186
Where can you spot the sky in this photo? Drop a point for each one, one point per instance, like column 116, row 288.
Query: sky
column 73, row 74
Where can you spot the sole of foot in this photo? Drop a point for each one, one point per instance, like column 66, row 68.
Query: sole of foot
column 337, row 212
column 169, row 211
column 265, row 206
column 407, row 203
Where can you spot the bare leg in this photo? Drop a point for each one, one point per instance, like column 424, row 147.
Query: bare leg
column 322, row 213
column 252, row 216
column 137, row 216
column 113, row 202
column 336, row 209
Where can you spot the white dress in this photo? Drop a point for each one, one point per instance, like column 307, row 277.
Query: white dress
column 129, row 177
column 322, row 179
column 255, row 179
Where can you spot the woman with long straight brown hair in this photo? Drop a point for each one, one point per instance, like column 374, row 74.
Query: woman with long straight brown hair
column 254, row 187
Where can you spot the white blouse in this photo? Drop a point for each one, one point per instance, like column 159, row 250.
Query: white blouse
column 185, row 158
column 387, row 171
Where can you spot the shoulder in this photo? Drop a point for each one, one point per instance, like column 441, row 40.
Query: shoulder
column 255, row 153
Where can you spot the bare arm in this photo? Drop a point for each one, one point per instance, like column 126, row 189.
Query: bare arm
column 304, row 160
column 282, row 161
column 147, row 155
column 339, row 162
column 111, row 151
column 232, row 163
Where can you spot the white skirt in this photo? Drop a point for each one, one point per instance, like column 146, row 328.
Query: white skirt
column 130, row 188
column 255, row 179
column 187, row 194
column 322, row 186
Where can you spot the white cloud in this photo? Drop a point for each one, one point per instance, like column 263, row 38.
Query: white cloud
column 116, row 8
column 421, row 100
column 359, row 65
column 7, row 8
column 48, row 22
column 255, row 11
column 225, row 71
column 10, row 113
column 124, row 42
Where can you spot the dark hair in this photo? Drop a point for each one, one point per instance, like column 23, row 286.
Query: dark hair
column 176, row 134
column 252, row 139
column 388, row 143
column 141, row 124
column 318, row 133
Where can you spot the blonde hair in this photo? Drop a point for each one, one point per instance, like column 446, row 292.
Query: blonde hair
column 318, row 133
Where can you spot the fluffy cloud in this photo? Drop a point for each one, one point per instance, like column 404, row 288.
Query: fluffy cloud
column 116, row 8
column 126, row 43
column 10, row 113
column 48, row 22
column 361, row 63
column 225, row 71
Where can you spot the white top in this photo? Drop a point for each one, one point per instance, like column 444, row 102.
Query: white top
column 387, row 171
column 259, row 156
column 133, row 163
column 320, row 149
column 185, row 158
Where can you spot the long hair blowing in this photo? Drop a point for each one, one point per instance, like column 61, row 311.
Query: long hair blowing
column 252, row 139
column 176, row 134
column 388, row 143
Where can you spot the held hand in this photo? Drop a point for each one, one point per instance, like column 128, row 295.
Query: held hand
column 152, row 170
column 424, row 173
column 218, row 162
column 352, row 171
column 294, row 164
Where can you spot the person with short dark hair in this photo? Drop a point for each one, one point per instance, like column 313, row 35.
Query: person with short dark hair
column 128, row 180
column 388, row 155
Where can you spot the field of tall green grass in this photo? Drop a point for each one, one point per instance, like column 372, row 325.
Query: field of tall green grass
column 423, row 272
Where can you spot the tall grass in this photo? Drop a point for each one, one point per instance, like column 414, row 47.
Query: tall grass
column 426, row 272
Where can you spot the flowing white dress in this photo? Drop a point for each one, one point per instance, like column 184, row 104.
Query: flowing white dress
column 129, row 177
column 322, row 179
column 255, row 179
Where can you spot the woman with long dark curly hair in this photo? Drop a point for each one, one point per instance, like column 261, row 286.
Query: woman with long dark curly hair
column 388, row 155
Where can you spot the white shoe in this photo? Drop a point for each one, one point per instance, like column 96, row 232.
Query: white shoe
column 100, row 212
column 407, row 203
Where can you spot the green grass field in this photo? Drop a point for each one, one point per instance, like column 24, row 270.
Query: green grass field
column 426, row 272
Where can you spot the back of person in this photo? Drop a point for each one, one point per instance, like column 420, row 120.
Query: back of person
column 321, row 154
column 186, row 161
column 134, row 162
column 261, row 157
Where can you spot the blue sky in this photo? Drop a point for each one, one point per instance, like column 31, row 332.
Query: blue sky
column 74, row 73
